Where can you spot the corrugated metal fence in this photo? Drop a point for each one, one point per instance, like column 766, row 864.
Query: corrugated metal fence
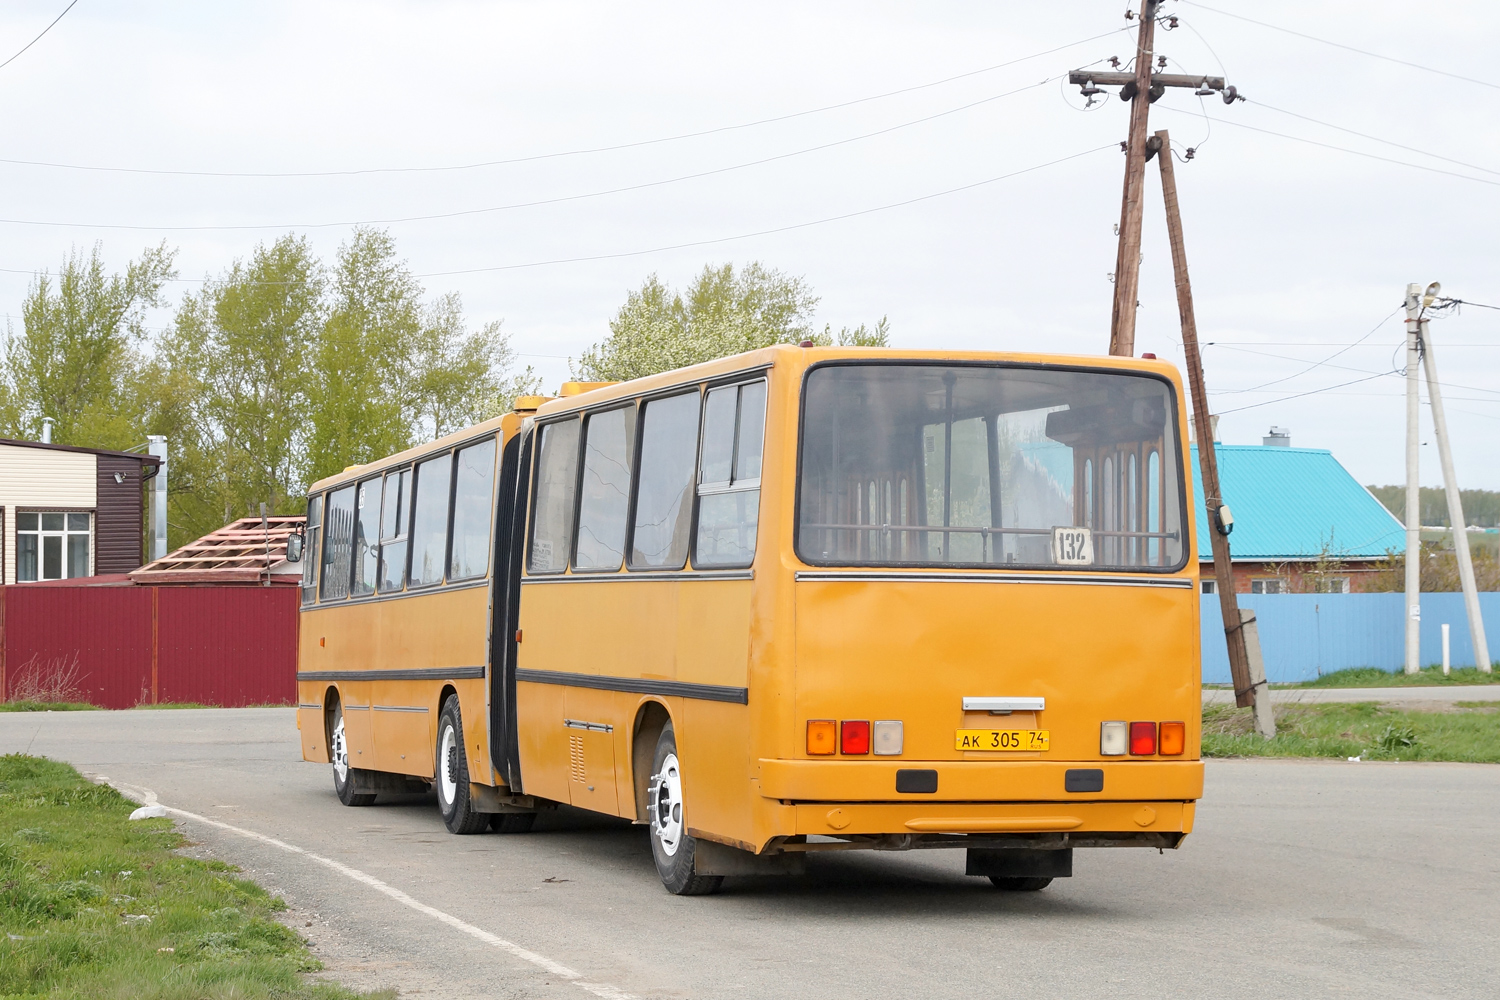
column 126, row 646
column 1303, row 636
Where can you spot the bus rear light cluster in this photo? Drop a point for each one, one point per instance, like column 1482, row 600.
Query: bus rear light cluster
column 854, row 737
column 1142, row 739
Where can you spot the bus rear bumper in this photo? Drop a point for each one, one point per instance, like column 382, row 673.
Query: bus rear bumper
column 1022, row 820
column 981, row 781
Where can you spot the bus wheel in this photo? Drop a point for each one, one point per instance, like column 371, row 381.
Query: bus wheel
column 672, row 848
column 452, row 771
column 344, row 776
column 1020, row 883
column 512, row 822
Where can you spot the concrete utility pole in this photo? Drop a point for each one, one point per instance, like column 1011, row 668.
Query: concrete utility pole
column 157, row 516
column 1247, row 670
column 1140, row 87
column 1413, row 488
column 1450, row 483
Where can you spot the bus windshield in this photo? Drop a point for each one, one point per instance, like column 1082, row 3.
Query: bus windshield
column 970, row 465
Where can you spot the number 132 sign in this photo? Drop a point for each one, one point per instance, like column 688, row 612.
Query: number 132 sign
column 1072, row 546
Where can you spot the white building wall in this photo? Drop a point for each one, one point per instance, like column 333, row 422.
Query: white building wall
column 41, row 477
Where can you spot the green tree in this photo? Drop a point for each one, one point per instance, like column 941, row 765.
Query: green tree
column 235, row 373
column 79, row 359
column 390, row 370
column 721, row 312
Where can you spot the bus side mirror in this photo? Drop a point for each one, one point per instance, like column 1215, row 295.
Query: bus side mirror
column 1223, row 519
column 294, row 547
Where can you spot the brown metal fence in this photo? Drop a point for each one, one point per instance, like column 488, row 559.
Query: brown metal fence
column 118, row 647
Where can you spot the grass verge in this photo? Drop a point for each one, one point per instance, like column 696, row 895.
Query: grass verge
column 48, row 706
column 1360, row 677
column 1469, row 732
column 95, row 906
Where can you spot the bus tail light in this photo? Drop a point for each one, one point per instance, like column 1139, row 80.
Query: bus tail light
column 1112, row 740
column 1142, row 739
column 886, row 737
column 854, row 737
column 822, row 737
column 1173, row 739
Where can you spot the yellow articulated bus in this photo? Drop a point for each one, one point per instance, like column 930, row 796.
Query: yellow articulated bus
column 802, row 599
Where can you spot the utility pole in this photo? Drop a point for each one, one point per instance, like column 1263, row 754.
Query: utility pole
column 1249, row 684
column 1140, row 87
column 1413, row 487
column 1450, row 483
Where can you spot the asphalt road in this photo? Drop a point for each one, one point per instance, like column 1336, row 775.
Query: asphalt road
column 1304, row 879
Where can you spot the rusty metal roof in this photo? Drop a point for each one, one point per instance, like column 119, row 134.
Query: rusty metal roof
column 240, row 552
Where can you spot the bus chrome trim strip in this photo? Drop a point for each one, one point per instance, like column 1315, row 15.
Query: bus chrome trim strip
column 1004, row 704
column 415, row 674
column 1172, row 583
column 637, row 685
column 398, row 708
column 307, row 705
column 593, row 727
column 647, row 575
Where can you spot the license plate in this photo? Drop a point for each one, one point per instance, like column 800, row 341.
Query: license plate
column 1003, row 739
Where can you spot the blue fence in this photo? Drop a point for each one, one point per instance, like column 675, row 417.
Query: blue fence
column 1305, row 635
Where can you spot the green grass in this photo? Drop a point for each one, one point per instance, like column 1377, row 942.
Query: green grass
column 95, row 906
column 47, row 706
column 1359, row 677
column 1470, row 732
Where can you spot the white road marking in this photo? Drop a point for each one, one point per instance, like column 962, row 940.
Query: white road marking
column 147, row 797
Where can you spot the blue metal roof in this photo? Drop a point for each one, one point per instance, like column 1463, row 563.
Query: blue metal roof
column 1291, row 503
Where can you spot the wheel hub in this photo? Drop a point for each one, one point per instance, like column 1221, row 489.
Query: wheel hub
column 340, row 752
column 448, row 766
column 666, row 803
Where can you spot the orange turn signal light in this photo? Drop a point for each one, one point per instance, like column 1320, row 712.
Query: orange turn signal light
column 822, row 737
column 1172, row 739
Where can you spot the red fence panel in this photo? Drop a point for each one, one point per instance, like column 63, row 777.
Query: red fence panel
column 125, row 646
column 101, row 635
column 228, row 646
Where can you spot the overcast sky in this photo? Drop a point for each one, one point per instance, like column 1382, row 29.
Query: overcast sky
column 1298, row 250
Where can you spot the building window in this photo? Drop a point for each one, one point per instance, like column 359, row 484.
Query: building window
column 52, row 545
column 1210, row 586
column 1332, row 585
column 1269, row 585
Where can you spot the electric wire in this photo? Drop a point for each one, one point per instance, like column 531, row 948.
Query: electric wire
column 38, row 38
column 1341, row 45
column 568, row 152
column 1283, row 357
column 1372, row 138
column 1345, row 149
column 1299, row 395
column 1326, row 360
column 536, row 203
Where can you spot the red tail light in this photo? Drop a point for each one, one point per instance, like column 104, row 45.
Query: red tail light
column 854, row 736
column 1142, row 739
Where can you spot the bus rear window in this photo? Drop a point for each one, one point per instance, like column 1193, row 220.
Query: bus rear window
column 982, row 465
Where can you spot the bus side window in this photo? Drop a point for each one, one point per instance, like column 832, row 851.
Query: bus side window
column 429, row 523
column 394, row 518
column 556, row 483
column 366, row 537
column 473, row 499
column 311, row 552
column 734, row 419
column 338, row 544
column 604, row 494
column 664, row 487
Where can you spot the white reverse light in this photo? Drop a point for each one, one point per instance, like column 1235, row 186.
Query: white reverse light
column 1113, row 739
column 886, row 737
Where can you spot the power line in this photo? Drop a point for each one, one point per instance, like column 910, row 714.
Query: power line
column 38, row 38
column 1372, row 138
column 569, row 152
column 1397, row 371
column 1341, row 45
column 1326, row 360
column 1310, row 392
column 539, row 202
column 706, row 242
column 1341, row 149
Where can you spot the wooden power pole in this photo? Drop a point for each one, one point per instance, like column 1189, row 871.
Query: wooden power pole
column 1249, row 676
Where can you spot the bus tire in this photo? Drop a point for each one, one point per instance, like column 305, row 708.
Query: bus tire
column 1020, row 883
column 451, row 774
column 672, row 848
column 345, row 778
column 512, row 822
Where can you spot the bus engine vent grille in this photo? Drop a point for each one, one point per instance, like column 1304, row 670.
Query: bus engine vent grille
column 575, row 758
